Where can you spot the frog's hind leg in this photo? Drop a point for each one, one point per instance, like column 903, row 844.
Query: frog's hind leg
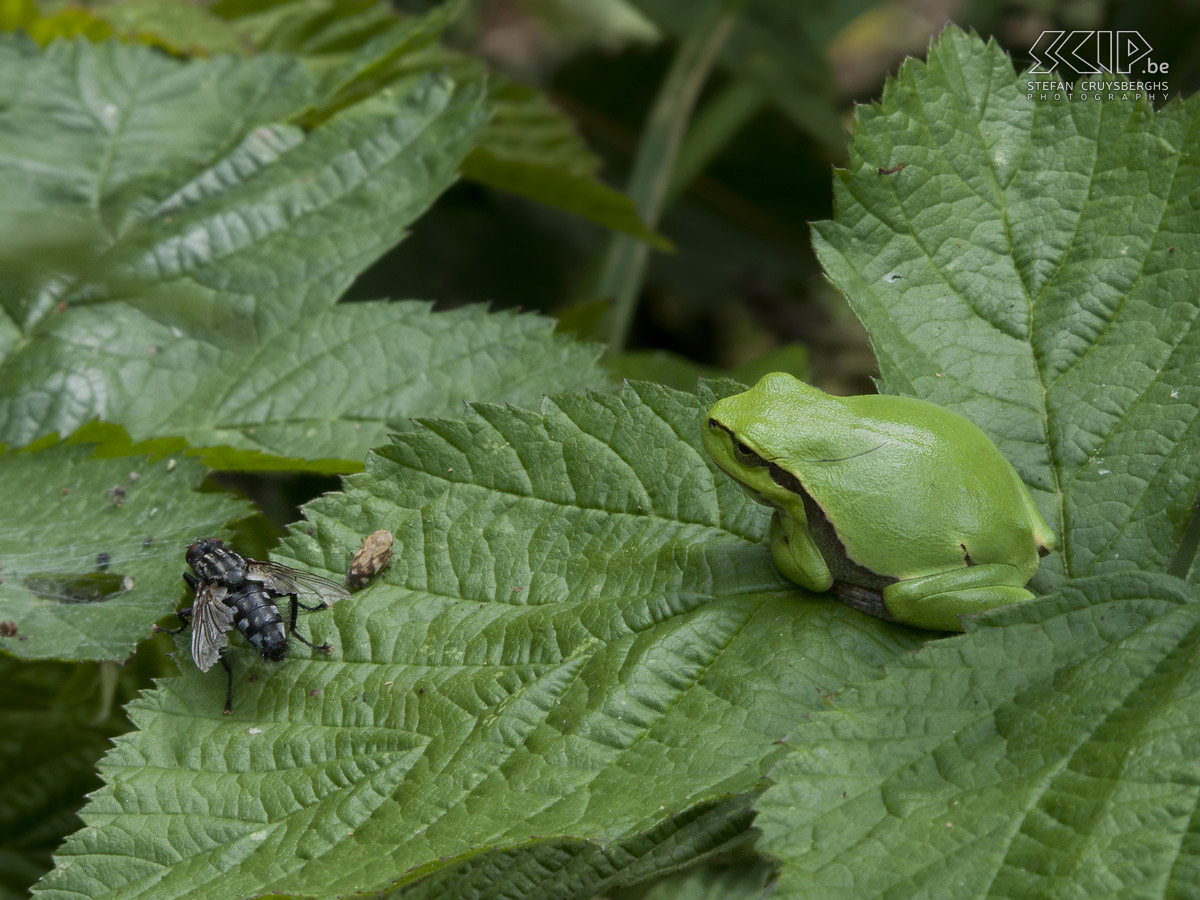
column 937, row 601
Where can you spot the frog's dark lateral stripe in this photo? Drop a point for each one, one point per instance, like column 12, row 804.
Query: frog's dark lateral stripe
column 846, row 572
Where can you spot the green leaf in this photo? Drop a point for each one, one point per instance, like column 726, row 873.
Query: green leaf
column 528, row 147
column 215, row 246
column 1033, row 266
column 66, row 22
column 309, row 27
column 585, row 197
column 1051, row 751
column 371, row 48
column 95, row 556
column 531, row 149
column 335, row 383
column 179, row 26
column 111, row 155
column 527, row 126
column 567, row 869
column 745, row 881
column 580, row 633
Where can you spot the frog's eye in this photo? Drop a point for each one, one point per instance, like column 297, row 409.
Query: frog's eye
column 746, row 456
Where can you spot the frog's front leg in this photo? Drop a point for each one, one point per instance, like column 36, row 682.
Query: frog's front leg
column 936, row 601
column 796, row 555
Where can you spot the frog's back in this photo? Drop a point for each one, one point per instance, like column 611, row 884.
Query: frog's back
column 932, row 491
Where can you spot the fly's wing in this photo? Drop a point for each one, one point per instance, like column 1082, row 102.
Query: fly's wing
column 211, row 618
column 284, row 580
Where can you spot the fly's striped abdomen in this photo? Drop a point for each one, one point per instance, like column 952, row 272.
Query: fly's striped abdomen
column 258, row 619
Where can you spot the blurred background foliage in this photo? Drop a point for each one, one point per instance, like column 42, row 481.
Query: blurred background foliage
column 742, row 282
column 732, row 286
column 739, row 281
column 771, row 120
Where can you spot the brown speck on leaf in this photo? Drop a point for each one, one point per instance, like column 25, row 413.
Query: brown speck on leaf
column 116, row 495
column 315, row 692
column 8, row 629
column 1170, row 249
column 66, row 491
column 372, row 557
column 252, row 679
column 893, row 170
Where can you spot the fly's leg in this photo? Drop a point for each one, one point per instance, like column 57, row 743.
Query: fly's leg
column 296, row 604
column 185, row 617
column 228, row 684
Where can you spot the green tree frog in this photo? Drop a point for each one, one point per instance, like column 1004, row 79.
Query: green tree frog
column 907, row 510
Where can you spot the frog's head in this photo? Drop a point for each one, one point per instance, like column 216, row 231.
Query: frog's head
column 763, row 437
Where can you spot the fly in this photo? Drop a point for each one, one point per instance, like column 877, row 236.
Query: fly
column 233, row 590
column 212, row 561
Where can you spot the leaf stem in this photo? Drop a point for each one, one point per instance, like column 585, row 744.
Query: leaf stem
column 624, row 265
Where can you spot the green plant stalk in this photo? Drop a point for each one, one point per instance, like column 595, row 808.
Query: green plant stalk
column 624, row 264
column 721, row 117
column 108, row 676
